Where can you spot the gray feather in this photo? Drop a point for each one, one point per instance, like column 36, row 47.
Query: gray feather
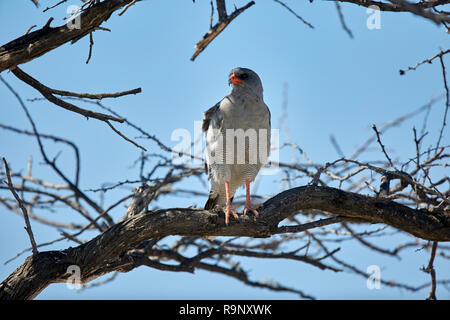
column 243, row 108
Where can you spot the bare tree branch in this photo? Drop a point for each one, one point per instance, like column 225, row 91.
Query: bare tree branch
column 218, row 28
column 48, row 94
column 93, row 256
column 447, row 100
column 429, row 60
column 295, row 14
column 22, row 207
column 341, row 18
column 39, row 42
column 430, row 269
column 397, row 6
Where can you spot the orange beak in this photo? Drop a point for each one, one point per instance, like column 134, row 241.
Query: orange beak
column 234, row 79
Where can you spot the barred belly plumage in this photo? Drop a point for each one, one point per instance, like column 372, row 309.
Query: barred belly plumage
column 237, row 133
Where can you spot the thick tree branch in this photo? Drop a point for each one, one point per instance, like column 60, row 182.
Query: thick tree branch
column 39, row 42
column 95, row 256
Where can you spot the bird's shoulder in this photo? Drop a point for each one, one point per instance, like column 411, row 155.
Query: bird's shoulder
column 213, row 117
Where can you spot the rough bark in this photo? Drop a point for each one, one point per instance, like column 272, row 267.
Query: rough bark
column 39, row 42
column 100, row 255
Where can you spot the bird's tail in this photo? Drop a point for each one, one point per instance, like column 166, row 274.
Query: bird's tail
column 211, row 203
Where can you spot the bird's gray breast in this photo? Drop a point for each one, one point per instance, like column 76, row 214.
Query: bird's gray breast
column 246, row 130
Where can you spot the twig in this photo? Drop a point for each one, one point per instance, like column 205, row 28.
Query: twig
column 394, row 123
column 374, row 127
column 52, row 164
column 295, row 14
column 126, row 7
column 310, row 225
column 55, row 139
column 341, row 18
column 94, row 96
column 144, row 133
column 22, row 207
column 48, row 94
column 53, row 6
column 47, row 24
column 217, row 29
column 39, row 42
column 429, row 60
column 430, row 269
column 221, row 10
column 417, row 10
column 29, row 29
column 392, row 7
column 368, row 244
column 212, row 15
column 91, row 44
column 101, row 28
column 123, row 136
column 336, row 146
column 444, row 122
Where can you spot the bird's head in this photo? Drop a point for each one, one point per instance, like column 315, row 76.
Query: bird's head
column 243, row 78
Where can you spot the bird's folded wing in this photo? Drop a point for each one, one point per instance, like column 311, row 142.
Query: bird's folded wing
column 212, row 119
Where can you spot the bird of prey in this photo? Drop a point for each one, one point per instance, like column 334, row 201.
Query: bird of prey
column 237, row 131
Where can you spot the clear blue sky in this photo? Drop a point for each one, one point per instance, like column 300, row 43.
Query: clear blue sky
column 336, row 85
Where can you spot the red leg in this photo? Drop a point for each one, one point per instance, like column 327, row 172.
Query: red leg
column 229, row 209
column 248, row 203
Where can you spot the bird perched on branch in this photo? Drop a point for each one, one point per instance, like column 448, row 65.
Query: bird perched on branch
column 237, row 131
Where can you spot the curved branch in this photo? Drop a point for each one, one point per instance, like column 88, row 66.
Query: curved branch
column 48, row 94
column 96, row 257
column 396, row 7
column 39, row 42
column 224, row 21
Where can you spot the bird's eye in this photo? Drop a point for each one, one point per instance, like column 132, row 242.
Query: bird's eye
column 244, row 76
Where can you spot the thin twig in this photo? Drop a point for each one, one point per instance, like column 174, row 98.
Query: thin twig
column 48, row 94
column 22, row 207
column 52, row 164
column 217, row 29
column 310, row 225
column 336, row 146
column 123, row 136
column 91, row 44
column 432, row 272
column 374, row 127
column 417, row 10
column 341, row 18
column 212, row 15
column 126, row 7
column 429, row 60
column 55, row 139
column 295, row 14
column 29, row 29
column 55, row 5
column 444, row 122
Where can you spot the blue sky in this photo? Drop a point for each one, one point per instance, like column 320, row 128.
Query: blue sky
column 336, row 85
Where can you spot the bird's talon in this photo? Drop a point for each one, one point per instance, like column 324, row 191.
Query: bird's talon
column 229, row 210
column 251, row 209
